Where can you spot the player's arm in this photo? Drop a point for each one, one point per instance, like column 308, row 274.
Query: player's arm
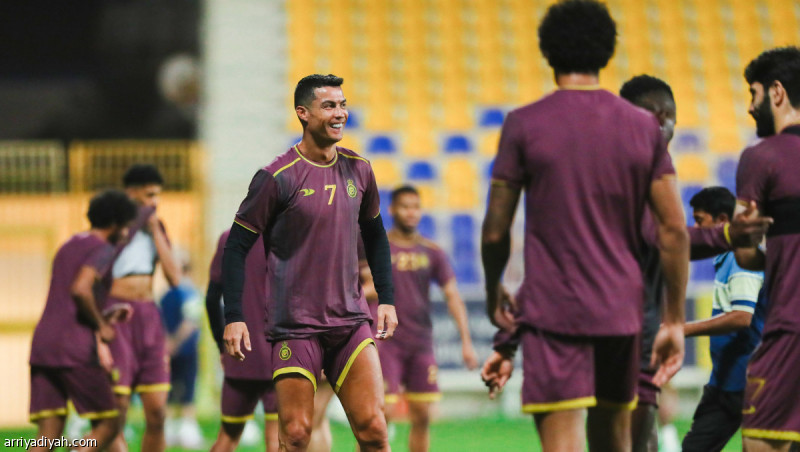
column 172, row 271
column 455, row 304
column 379, row 258
column 496, row 250
column 728, row 322
column 216, row 316
column 367, row 284
column 751, row 257
column 82, row 292
column 673, row 242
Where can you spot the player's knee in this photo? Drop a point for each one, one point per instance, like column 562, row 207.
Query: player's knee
column 155, row 417
column 371, row 430
column 106, row 430
column 297, row 433
column 421, row 418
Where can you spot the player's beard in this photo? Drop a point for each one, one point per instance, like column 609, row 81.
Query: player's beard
column 765, row 120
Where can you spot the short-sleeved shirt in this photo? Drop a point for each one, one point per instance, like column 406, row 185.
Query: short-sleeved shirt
column 586, row 160
column 258, row 362
column 312, row 212
column 63, row 337
column 414, row 268
column 768, row 174
column 735, row 289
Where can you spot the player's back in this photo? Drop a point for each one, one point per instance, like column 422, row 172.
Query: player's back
column 586, row 159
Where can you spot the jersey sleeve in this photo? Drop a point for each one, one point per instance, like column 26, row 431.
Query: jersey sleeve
column 261, row 204
column 101, row 259
column 744, row 287
column 442, row 270
column 371, row 201
column 752, row 176
column 662, row 162
column 509, row 168
column 215, row 272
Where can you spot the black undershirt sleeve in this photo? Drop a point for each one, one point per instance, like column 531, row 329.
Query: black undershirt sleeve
column 216, row 317
column 379, row 258
column 238, row 245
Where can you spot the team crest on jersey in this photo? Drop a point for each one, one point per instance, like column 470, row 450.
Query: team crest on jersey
column 285, row 352
column 352, row 191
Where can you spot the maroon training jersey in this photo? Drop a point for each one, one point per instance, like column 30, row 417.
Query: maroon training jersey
column 586, row 160
column 312, row 213
column 768, row 174
column 414, row 267
column 63, row 337
column 258, row 362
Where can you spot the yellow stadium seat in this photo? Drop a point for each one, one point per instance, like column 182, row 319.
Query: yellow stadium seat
column 386, row 172
column 692, row 168
column 428, row 196
column 460, row 184
column 419, row 144
column 726, row 140
column 488, row 143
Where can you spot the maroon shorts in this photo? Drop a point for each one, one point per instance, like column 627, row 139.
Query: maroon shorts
column 139, row 350
column 772, row 396
column 648, row 392
column 573, row 372
column 240, row 397
column 414, row 370
column 332, row 351
column 89, row 388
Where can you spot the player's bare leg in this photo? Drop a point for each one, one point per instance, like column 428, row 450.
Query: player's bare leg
column 228, row 437
column 271, row 431
column 321, row 438
column 362, row 397
column 295, row 411
column 561, row 431
column 104, row 431
column 609, row 429
column 765, row 445
column 419, row 414
column 119, row 444
column 50, row 427
column 644, row 429
column 155, row 413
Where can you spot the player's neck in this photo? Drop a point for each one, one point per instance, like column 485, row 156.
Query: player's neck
column 400, row 235
column 102, row 234
column 577, row 80
column 788, row 119
column 316, row 153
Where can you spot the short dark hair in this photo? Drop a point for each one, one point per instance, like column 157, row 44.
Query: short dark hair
column 403, row 190
column 715, row 201
column 638, row 86
column 781, row 64
column 304, row 91
column 577, row 36
column 141, row 174
column 109, row 208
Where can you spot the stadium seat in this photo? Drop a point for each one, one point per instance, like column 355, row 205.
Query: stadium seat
column 491, row 117
column 386, row 172
column 460, row 183
column 687, row 192
column 702, row 270
column 353, row 119
column 421, row 171
column 726, row 173
column 462, row 228
column 691, row 168
column 457, row 144
column 488, row 143
column 687, row 140
column 419, row 144
column 427, row 227
column 381, row 144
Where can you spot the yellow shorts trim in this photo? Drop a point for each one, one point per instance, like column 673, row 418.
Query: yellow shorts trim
column 296, row 370
column 571, row 404
column 423, row 396
column 158, row 387
column 391, row 398
column 122, row 390
column 236, row 419
column 350, row 361
column 55, row 412
column 628, row 406
column 781, row 435
column 270, row 416
column 100, row 414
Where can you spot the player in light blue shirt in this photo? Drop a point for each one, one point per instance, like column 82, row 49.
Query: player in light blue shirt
column 735, row 325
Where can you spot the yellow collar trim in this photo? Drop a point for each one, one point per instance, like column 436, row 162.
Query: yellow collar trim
column 335, row 158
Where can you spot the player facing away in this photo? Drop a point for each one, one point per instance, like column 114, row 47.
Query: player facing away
column 309, row 204
column 767, row 176
column 589, row 163
column 735, row 329
column 139, row 352
column 70, row 359
column 408, row 360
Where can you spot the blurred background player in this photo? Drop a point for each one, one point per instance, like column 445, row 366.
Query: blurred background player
column 735, row 329
column 767, row 177
column 579, row 307
column 408, row 361
column 70, row 358
column 181, row 311
column 140, row 349
column 313, row 335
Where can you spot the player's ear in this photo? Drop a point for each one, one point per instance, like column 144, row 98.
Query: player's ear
column 777, row 93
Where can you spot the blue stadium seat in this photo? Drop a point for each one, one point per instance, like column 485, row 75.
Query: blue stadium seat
column 686, row 194
column 465, row 259
column 427, row 227
column 463, row 229
column 489, row 168
column 386, row 199
column 726, row 173
column 687, row 140
column 381, row 144
column 703, row 270
column 491, row 117
column 457, row 144
column 353, row 120
column 421, row 171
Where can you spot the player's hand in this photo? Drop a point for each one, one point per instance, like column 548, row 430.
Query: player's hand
column 387, row 321
column 104, row 356
column 668, row 350
column 502, row 310
column 496, row 371
column 106, row 332
column 153, row 223
column 747, row 229
column 469, row 356
column 118, row 313
column 235, row 335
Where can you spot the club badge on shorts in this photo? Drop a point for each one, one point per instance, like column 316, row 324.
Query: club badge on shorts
column 352, row 191
column 285, row 352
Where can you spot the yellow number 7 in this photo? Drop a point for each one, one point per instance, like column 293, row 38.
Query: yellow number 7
column 332, row 188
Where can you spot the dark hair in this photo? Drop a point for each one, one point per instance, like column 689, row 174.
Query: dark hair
column 635, row 88
column 403, row 190
column 715, row 201
column 304, row 91
column 577, row 36
column 142, row 174
column 781, row 64
column 109, row 208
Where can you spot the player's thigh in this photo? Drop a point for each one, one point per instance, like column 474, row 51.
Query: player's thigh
column 321, row 400
column 361, row 392
column 295, row 395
